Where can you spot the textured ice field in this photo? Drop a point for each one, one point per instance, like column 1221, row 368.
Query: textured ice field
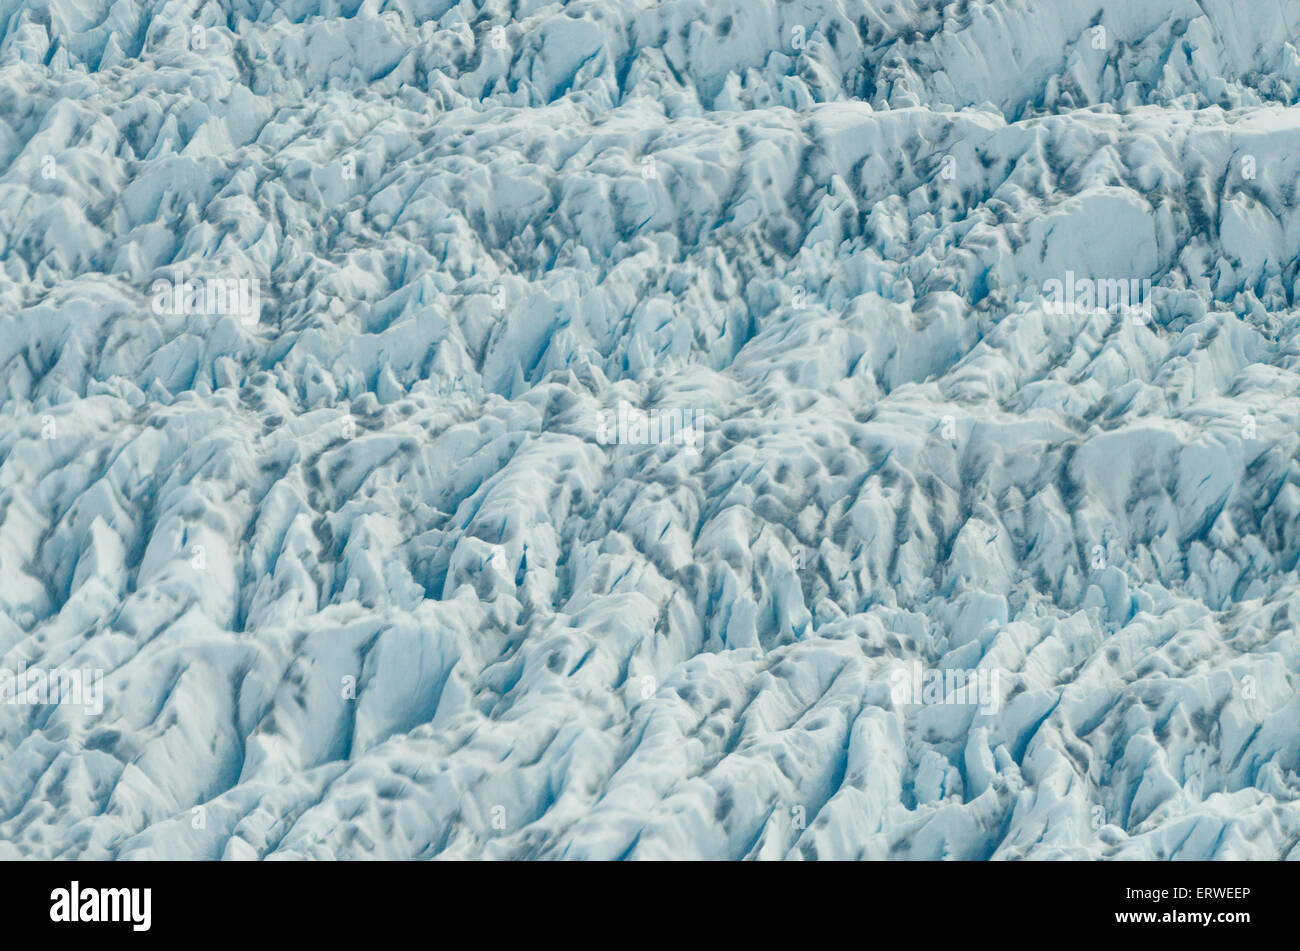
column 649, row 430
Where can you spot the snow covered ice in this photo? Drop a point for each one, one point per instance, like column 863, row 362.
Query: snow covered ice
column 846, row 429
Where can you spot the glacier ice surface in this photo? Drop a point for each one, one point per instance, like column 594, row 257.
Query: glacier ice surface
column 632, row 418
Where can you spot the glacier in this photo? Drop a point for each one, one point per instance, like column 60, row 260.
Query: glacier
column 618, row 429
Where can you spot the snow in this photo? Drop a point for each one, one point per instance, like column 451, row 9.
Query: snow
column 366, row 576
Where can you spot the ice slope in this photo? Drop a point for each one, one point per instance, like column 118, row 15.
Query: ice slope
column 366, row 579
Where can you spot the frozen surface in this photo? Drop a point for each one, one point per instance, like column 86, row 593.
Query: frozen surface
column 385, row 573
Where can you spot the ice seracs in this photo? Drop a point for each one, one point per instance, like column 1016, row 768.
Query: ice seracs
column 634, row 390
